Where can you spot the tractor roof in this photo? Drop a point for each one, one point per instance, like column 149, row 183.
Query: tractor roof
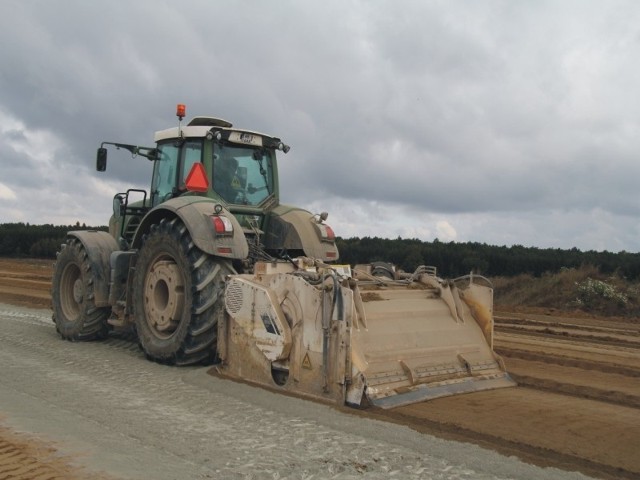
column 199, row 127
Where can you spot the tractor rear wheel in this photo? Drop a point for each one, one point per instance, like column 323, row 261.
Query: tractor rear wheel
column 74, row 311
column 176, row 290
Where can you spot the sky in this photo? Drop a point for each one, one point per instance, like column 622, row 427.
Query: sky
column 500, row 122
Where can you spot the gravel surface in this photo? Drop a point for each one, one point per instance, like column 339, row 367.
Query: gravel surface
column 117, row 413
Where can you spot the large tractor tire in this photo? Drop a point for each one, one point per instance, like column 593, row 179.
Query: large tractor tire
column 74, row 311
column 176, row 288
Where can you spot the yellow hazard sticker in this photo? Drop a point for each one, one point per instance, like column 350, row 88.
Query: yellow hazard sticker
column 306, row 362
column 235, row 183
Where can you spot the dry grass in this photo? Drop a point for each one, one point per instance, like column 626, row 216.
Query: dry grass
column 581, row 290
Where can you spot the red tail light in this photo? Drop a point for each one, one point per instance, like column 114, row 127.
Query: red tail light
column 330, row 235
column 326, row 232
column 222, row 225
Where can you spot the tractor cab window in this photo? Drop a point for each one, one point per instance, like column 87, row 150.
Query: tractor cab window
column 242, row 176
column 174, row 163
column 192, row 154
column 164, row 172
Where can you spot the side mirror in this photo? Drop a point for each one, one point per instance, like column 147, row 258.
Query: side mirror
column 101, row 159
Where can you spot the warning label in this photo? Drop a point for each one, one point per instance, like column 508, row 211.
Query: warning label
column 306, row 363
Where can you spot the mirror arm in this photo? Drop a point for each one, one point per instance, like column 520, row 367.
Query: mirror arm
column 147, row 152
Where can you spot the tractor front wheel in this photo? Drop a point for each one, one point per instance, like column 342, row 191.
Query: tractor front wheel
column 74, row 311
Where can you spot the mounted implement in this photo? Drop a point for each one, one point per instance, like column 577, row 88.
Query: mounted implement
column 209, row 266
column 317, row 330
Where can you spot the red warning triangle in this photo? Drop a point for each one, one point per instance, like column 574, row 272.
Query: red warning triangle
column 197, row 179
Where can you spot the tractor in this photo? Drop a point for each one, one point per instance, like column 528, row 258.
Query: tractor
column 209, row 267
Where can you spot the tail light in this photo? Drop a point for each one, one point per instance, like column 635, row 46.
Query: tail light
column 326, row 232
column 222, row 225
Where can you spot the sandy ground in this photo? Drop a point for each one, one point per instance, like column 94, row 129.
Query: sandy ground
column 577, row 406
column 25, row 457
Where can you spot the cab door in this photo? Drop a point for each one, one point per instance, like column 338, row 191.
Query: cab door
column 172, row 166
column 165, row 169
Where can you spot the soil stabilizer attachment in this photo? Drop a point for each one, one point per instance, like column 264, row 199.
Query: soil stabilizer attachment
column 354, row 337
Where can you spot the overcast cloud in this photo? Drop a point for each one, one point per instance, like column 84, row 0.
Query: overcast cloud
column 492, row 121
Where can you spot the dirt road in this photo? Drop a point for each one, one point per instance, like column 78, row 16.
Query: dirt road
column 577, row 406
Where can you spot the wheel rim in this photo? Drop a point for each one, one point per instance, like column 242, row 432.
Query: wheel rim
column 71, row 292
column 164, row 297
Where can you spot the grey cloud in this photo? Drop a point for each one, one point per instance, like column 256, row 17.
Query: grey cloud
column 494, row 110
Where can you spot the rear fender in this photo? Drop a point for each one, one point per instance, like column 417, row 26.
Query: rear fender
column 99, row 246
column 296, row 229
column 196, row 213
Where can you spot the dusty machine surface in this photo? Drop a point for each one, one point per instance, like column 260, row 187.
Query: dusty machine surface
column 349, row 336
column 209, row 266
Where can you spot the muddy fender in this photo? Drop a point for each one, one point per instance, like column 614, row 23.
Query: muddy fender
column 296, row 229
column 196, row 213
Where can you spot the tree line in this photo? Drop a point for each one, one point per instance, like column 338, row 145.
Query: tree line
column 454, row 259
column 451, row 258
column 37, row 241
